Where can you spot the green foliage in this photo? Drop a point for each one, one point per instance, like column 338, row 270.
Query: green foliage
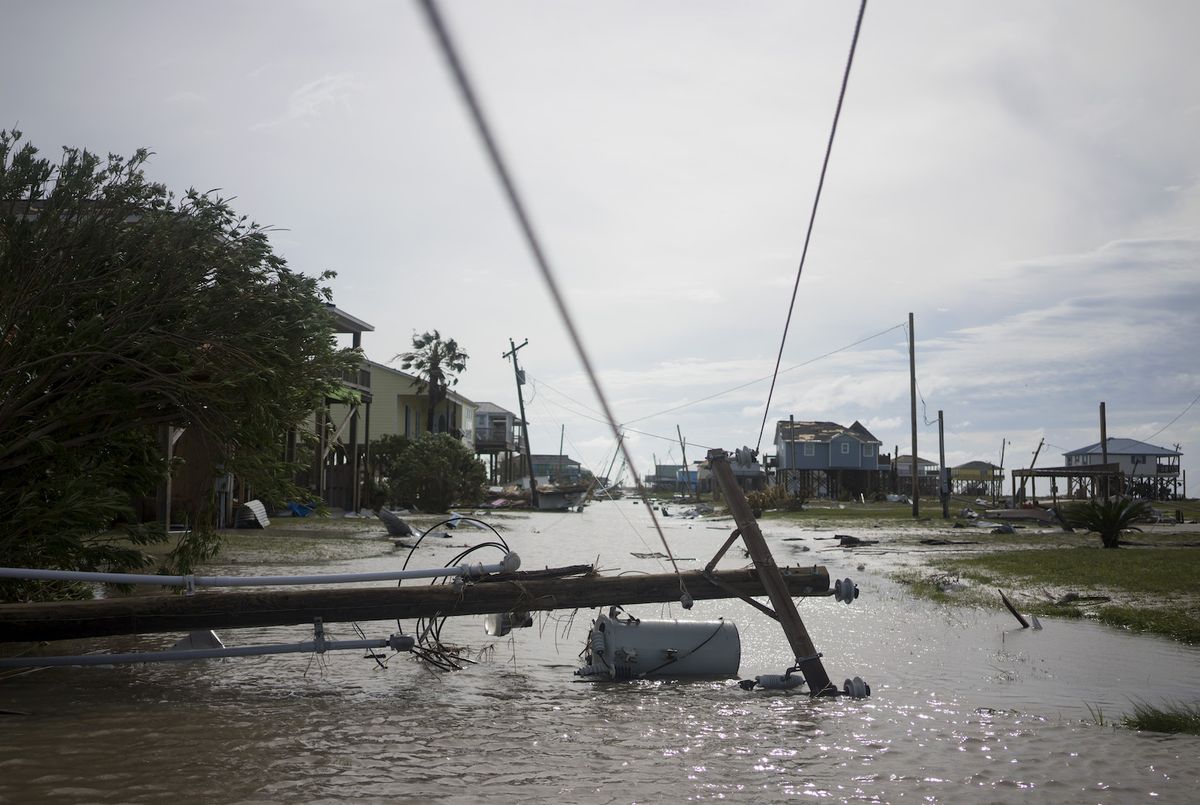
column 386, row 452
column 125, row 309
column 1175, row 621
column 1174, row 718
column 1149, row 571
column 435, row 362
column 437, row 471
column 1108, row 517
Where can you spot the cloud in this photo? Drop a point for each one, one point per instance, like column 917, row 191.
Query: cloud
column 315, row 99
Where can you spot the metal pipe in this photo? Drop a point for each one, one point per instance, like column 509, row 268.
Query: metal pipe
column 397, row 642
column 507, row 565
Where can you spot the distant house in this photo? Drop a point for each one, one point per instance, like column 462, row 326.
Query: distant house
column 390, row 403
column 556, row 469
column 341, row 430
column 825, row 459
column 1149, row 470
column 666, row 478
column 498, row 437
column 977, row 478
column 400, row 406
column 927, row 475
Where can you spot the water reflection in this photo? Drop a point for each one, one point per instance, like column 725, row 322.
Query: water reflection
column 965, row 708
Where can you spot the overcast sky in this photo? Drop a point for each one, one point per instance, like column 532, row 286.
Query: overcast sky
column 1023, row 176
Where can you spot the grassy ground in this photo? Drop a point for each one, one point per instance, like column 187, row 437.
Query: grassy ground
column 1150, row 589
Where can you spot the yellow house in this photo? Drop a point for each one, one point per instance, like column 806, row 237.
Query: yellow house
column 398, row 407
column 390, row 404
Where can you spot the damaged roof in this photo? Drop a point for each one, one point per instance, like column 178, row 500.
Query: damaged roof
column 822, row 431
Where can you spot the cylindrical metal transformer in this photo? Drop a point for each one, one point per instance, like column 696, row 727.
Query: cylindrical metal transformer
column 630, row 648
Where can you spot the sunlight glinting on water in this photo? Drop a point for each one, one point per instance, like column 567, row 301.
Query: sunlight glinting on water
column 964, row 705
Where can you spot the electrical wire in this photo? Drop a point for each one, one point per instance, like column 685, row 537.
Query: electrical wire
column 1176, row 419
column 499, row 165
column 812, row 217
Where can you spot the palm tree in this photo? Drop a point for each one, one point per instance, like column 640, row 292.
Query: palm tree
column 1107, row 517
column 435, row 362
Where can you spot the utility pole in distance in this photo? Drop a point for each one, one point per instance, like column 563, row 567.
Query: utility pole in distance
column 519, row 376
column 943, row 476
column 912, row 383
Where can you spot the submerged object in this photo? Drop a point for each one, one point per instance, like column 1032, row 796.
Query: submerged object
column 395, row 526
column 629, row 648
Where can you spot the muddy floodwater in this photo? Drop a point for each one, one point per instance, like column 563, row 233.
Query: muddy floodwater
column 966, row 706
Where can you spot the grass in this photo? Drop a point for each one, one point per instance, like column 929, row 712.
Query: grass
column 1142, row 570
column 1154, row 590
column 1176, row 718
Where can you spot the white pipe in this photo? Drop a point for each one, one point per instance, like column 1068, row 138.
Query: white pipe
column 508, row 564
column 397, row 642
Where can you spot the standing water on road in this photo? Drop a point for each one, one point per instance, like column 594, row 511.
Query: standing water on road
column 965, row 707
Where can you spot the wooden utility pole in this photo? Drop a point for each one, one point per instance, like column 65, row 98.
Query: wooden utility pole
column 1000, row 484
column 912, row 383
column 68, row 620
column 808, row 661
column 687, row 478
column 1021, row 494
column 562, row 436
column 1104, row 447
column 943, row 476
column 519, row 376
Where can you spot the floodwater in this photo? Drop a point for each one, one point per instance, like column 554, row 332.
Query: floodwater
column 966, row 707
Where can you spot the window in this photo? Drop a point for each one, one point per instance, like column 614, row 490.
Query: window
column 810, row 449
column 846, row 448
column 868, row 449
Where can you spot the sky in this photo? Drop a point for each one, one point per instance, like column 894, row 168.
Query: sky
column 1023, row 177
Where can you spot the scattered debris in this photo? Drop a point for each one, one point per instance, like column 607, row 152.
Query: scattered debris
column 847, row 541
column 948, row 542
column 1076, row 598
column 947, row 583
column 395, row 526
column 1020, row 618
column 252, row 514
column 1003, row 529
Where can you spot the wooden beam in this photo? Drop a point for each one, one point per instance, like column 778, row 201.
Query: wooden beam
column 64, row 620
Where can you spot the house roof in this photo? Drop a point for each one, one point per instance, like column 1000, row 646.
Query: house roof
column 1124, row 447
column 343, row 322
column 821, row 431
column 491, row 408
column 452, row 395
column 908, row 460
column 975, row 465
column 553, row 458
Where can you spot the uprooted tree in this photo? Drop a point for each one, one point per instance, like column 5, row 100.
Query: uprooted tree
column 123, row 309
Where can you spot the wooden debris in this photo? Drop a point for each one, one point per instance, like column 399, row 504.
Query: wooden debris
column 1020, row 618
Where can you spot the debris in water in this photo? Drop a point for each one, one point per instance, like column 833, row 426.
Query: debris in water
column 1020, row 618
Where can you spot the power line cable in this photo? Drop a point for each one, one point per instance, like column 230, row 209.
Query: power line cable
column 792, row 368
column 1176, row 419
column 532, row 241
column 813, row 216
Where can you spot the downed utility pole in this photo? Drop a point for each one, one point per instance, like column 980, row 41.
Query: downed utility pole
column 525, row 592
column 808, row 661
